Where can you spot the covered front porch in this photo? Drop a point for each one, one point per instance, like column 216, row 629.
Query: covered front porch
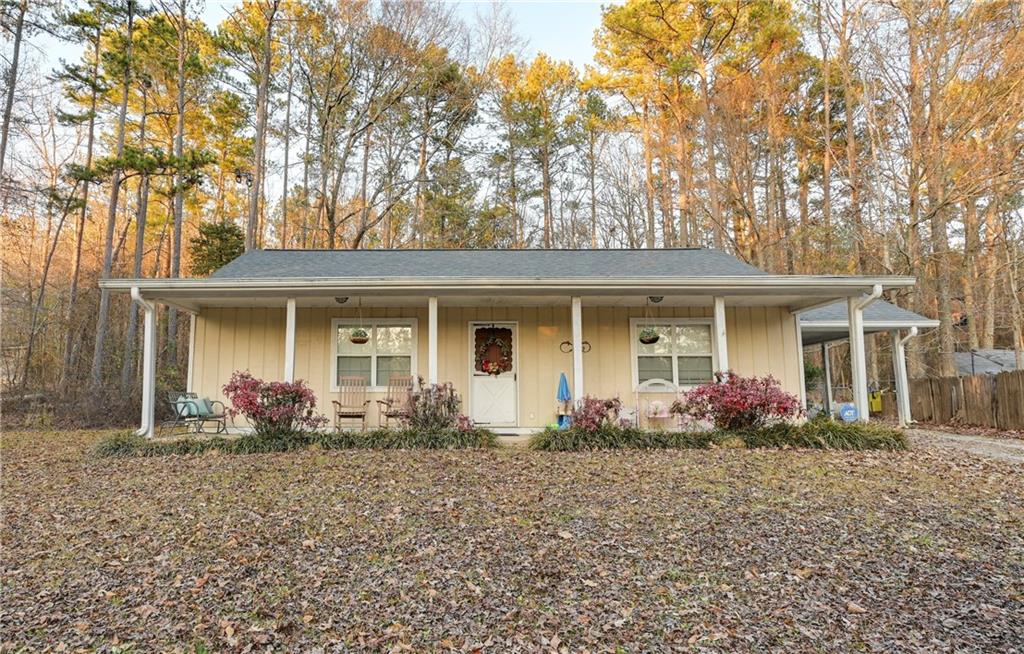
column 591, row 337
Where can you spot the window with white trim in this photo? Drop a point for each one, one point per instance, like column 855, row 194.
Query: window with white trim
column 681, row 357
column 389, row 350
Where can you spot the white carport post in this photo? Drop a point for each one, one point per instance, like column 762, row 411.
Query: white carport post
column 147, row 427
column 432, row 340
column 828, row 378
column 289, row 341
column 858, row 362
column 577, row 348
column 721, row 344
column 899, row 364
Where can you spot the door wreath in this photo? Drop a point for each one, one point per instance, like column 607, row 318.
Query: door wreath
column 499, row 342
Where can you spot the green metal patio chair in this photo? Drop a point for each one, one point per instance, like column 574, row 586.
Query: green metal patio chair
column 194, row 413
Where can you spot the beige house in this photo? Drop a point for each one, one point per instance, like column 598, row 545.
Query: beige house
column 503, row 325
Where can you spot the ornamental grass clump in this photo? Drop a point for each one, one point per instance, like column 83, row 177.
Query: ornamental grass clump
column 274, row 409
column 733, row 403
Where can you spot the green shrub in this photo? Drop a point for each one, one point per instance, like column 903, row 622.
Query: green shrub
column 614, row 437
column 127, row 444
column 119, row 445
column 817, row 434
column 825, row 434
column 408, row 438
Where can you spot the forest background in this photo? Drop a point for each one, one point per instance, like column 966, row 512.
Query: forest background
column 802, row 136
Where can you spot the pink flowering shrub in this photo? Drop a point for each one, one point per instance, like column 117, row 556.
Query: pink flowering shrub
column 272, row 408
column 735, row 403
column 593, row 413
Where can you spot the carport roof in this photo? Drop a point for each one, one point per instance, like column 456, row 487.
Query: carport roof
column 829, row 322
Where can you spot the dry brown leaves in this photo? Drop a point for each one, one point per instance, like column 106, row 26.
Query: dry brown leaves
column 509, row 551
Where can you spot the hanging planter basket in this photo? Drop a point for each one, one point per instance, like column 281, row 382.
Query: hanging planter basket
column 649, row 336
column 359, row 336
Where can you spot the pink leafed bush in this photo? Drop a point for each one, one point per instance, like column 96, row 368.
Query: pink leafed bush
column 592, row 413
column 272, row 408
column 734, row 402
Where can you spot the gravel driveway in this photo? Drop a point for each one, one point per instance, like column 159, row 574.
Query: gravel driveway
column 1003, row 449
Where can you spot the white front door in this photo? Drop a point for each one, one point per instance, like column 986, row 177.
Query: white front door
column 493, row 375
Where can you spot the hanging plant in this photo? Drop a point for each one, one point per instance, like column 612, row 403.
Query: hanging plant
column 649, row 336
column 359, row 336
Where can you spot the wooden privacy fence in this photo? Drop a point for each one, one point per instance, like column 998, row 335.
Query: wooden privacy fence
column 987, row 400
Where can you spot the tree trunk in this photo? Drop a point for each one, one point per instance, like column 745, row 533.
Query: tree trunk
column 545, row 173
column 645, row 131
column 718, row 228
column 826, row 166
column 915, row 95
column 128, row 366
column 591, row 175
column 70, row 328
column 99, row 352
column 988, row 335
column 287, row 144
column 969, row 272
column 936, row 190
column 684, row 173
column 262, row 98
column 179, row 180
column 12, row 78
column 421, row 182
column 852, row 165
column 305, row 171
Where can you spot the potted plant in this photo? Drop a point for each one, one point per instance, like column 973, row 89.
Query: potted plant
column 359, row 336
column 649, row 336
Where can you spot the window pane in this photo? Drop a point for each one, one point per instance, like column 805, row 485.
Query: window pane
column 663, row 346
column 693, row 339
column 345, row 344
column 694, row 370
column 649, row 368
column 354, row 367
column 388, row 366
column 394, row 339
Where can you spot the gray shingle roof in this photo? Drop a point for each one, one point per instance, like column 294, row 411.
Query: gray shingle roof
column 565, row 264
column 985, row 362
column 877, row 311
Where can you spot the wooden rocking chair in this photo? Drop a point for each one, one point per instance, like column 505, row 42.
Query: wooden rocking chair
column 351, row 402
column 396, row 404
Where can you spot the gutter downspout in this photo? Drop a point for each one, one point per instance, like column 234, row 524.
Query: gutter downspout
column 147, row 427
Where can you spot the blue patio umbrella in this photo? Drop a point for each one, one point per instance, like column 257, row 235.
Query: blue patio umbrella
column 563, row 395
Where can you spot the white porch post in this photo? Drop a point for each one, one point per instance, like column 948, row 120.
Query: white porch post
column 800, row 362
column 147, row 428
column 899, row 364
column 191, row 350
column 289, row 341
column 828, row 378
column 577, row 348
column 432, row 340
column 721, row 344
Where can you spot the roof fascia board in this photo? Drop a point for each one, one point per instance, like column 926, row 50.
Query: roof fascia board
column 876, row 324
column 312, row 284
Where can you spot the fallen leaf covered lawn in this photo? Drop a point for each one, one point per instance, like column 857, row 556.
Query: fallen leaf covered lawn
column 509, row 550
